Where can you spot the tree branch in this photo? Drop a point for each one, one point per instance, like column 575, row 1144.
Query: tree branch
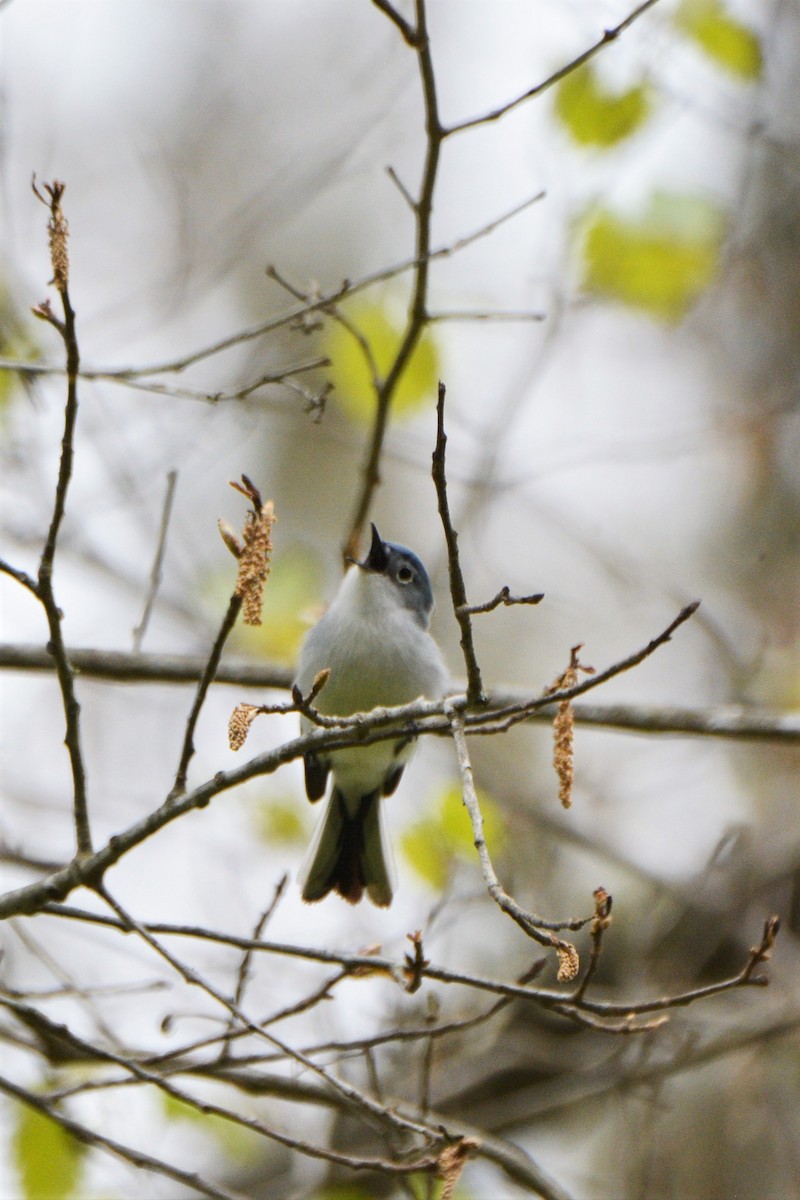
column 417, row 312
column 535, row 927
column 609, row 35
column 57, row 229
column 729, row 721
column 458, row 592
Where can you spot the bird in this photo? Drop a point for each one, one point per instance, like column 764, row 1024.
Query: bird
column 374, row 641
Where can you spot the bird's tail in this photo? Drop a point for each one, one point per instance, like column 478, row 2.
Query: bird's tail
column 350, row 853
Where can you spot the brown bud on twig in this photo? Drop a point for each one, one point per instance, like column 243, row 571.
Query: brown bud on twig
column 320, row 679
column 568, row 962
column 229, row 537
column 452, row 1161
column 415, row 964
column 57, row 231
column 564, row 728
column 255, row 552
column 239, row 724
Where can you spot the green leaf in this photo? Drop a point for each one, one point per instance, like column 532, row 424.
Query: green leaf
column 350, row 370
column 660, row 264
column 726, row 41
column 47, row 1158
column 433, row 844
column 278, row 822
column 595, row 116
column 290, row 596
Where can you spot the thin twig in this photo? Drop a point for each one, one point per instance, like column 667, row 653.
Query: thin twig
column 600, row 923
column 155, row 573
column 349, row 1093
column 57, row 229
column 417, row 37
column 402, row 189
column 336, row 314
column 503, row 597
column 491, row 314
column 78, row 1050
column 532, row 925
column 515, row 714
column 127, row 376
column 410, row 34
column 391, row 968
column 21, row 577
column 247, row 959
column 608, row 36
column 207, row 678
column 458, row 592
column 92, row 1137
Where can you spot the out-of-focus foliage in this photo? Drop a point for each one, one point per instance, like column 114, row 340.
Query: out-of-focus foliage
column 234, row 1140
column 726, row 41
column 16, row 344
column 593, row 115
column 48, row 1160
column 354, row 376
column 279, row 821
column 433, row 843
column 291, row 594
column 660, row 263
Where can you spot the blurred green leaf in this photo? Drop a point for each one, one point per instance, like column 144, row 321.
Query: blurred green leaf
column 234, row 1140
column 47, row 1158
column 595, row 116
column 279, row 821
column 292, row 591
column 16, row 344
column 350, row 372
column 432, row 844
column 726, row 41
column 660, row 264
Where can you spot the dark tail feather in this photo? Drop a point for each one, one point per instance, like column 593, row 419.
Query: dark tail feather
column 349, row 854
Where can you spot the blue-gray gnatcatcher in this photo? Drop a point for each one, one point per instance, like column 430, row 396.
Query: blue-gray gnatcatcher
column 374, row 639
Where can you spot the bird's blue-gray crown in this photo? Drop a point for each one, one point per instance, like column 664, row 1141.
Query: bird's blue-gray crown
column 405, row 571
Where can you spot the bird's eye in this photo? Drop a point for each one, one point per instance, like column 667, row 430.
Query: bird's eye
column 405, row 575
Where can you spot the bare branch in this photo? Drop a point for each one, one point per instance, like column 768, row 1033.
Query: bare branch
column 247, row 959
column 57, row 230
column 561, row 1001
column 128, row 376
column 417, row 311
column 532, row 925
column 21, row 577
column 146, row 668
column 458, row 592
column 503, row 597
column 402, row 189
column 92, row 1137
column 207, row 678
column 732, row 721
column 609, row 35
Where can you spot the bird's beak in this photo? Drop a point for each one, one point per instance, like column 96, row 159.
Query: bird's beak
column 377, row 560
